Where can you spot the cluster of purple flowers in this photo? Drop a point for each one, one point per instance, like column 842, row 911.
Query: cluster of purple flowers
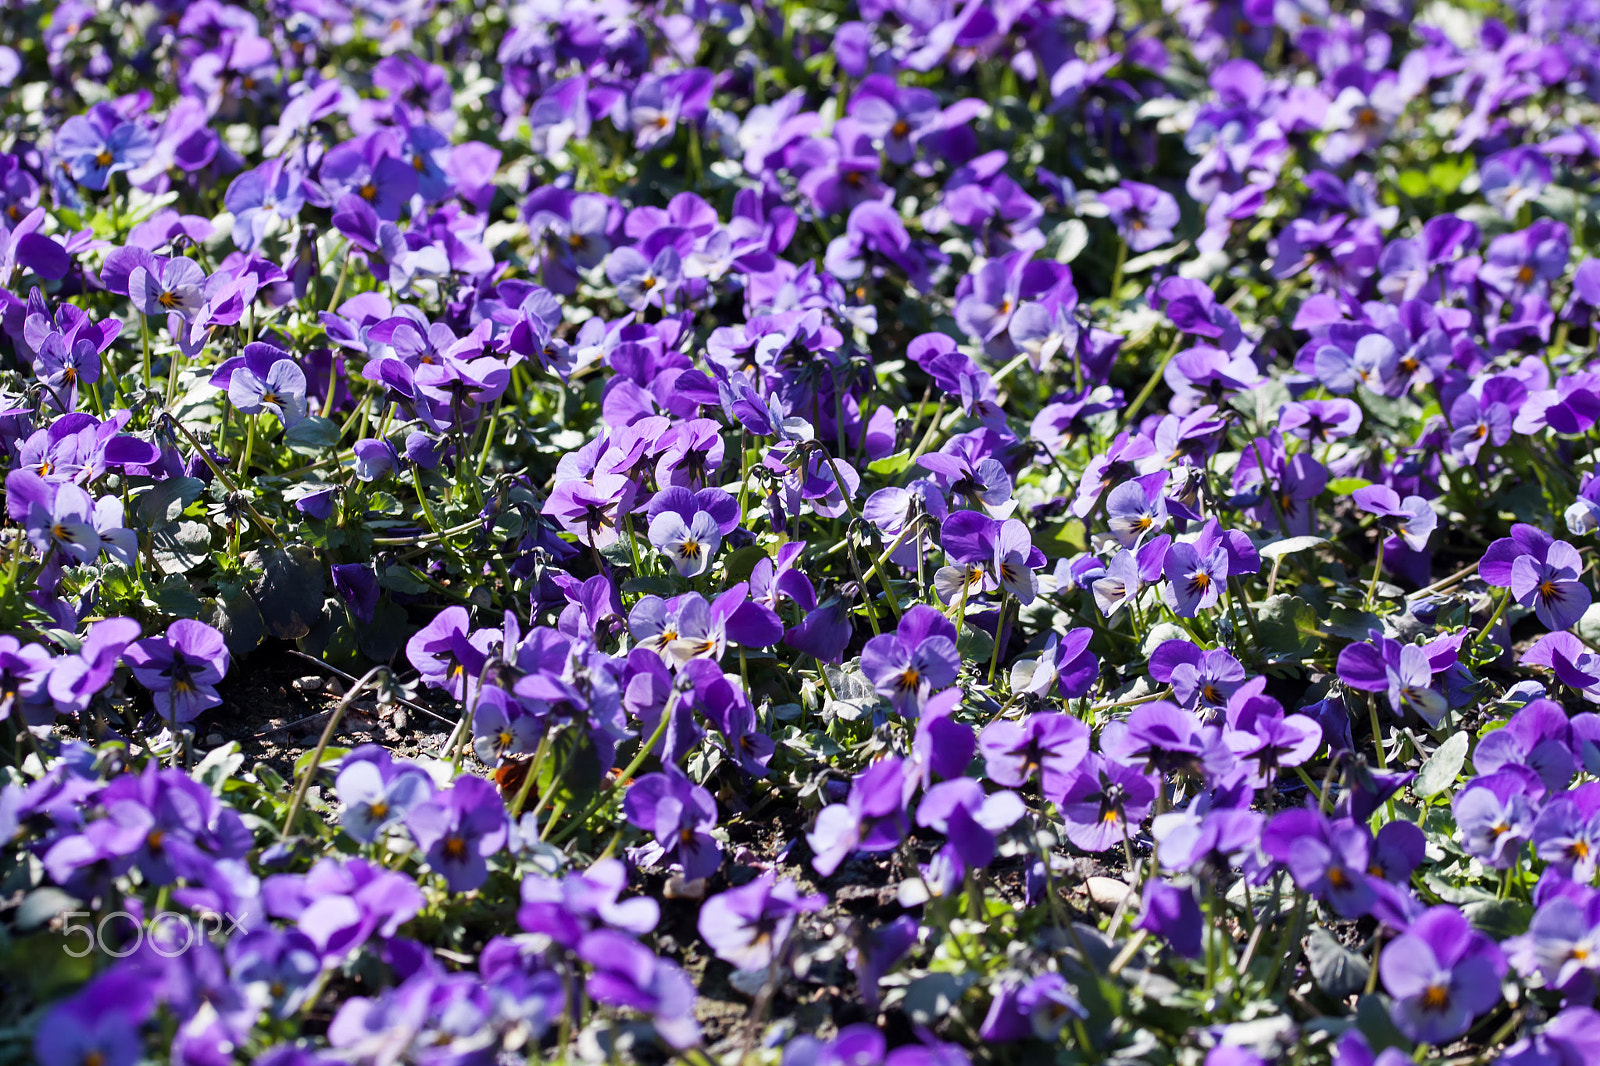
column 947, row 448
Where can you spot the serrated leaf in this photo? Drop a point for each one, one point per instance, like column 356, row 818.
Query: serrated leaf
column 289, row 591
column 1287, row 627
column 166, row 500
column 175, row 597
column 181, row 546
column 219, row 765
column 975, row 645
column 741, row 562
column 330, row 756
column 237, row 617
column 1352, row 624
column 312, row 434
column 890, row 465
column 399, row 578
column 648, row 586
column 1337, row 970
column 1500, row 918
column 1442, row 767
column 1290, row 546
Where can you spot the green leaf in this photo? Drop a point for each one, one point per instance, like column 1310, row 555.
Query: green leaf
column 237, row 617
column 181, row 546
column 1344, row 486
column 165, row 501
column 1352, row 623
column 384, row 503
column 975, row 645
column 1290, row 546
column 1337, row 970
column 289, row 591
column 175, row 597
column 43, row 905
column 399, row 578
column 740, row 563
column 1287, row 626
column 270, row 779
column 1377, row 1025
column 890, row 465
column 1070, row 238
column 383, row 637
column 933, row 997
column 312, row 434
column 649, row 586
column 330, row 756
column 1442, row 767
column 1262, row 403
column 1447, row 175
column 1414, row 183
column 1500, row 918
column 1160, row 257
column 219, row 765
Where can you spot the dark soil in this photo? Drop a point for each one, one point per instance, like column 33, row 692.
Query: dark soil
column 276, row 705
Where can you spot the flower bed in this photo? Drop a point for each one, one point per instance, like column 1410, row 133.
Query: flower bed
column 811, row 534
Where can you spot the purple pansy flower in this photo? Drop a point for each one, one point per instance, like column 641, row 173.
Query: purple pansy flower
column 458, row 830
column 1442, row 974
column 872, row 818
column 680, row 814
column 1051, row 744
column 1143, row 214
column 747, row 926
column 913, row 662
column 181, row 669
column 1552, row 585
column 1404, row 671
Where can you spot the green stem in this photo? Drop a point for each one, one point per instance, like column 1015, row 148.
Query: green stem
column 626, row 775
column 338, row 287
column 933, row 428
column 422, row 498
column 144, row 337
column 999, row 630
column 1377, row 569
column 888, row 590
column 1150, row 385
column 172, row 377
column 1499, row 609
column 1290, row 941
column 488, row 441
column 1377, row 732
column 227, row 482
column 322, row 746
column 532, row 776
column 249, row 446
